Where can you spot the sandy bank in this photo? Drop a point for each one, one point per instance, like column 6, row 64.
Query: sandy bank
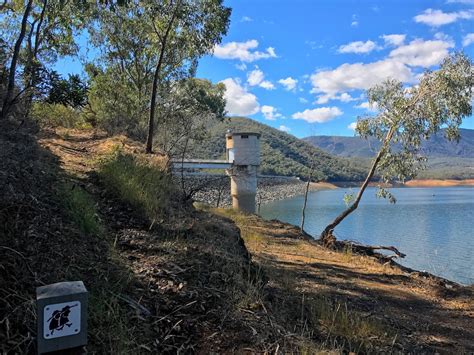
column 439, row 183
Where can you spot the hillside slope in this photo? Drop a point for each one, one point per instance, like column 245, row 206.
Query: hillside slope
column 282, row 153
column 446, row 160
column 436, row 147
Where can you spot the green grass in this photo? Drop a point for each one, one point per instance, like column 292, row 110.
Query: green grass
column 147, row 188
column 81, row 208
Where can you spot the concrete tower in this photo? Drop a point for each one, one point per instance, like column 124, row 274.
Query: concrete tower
column 243, row 151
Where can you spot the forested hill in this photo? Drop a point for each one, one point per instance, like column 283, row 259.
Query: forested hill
column 436, row 147
column 282, row 153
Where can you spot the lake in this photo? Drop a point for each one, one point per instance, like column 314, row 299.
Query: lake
column 433, row 226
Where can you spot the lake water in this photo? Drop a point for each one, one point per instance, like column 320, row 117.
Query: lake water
column 433, row 226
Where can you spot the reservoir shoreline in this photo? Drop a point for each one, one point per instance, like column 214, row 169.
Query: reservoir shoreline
column 214, row 190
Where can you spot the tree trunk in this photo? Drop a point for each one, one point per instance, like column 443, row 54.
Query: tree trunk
column 151, row 119
column 306, row 198
column 326, row 236
column 16, row 53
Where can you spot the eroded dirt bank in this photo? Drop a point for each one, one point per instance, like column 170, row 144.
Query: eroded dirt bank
column 415, row 312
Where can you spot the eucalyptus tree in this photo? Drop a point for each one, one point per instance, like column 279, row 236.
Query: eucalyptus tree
column 7, row 9
column 406, row 117
column 183, row 31
column 37, row 31
column 188, row 107
column 151, row 44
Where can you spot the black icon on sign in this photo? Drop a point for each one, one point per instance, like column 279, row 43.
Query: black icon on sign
column 60, row 318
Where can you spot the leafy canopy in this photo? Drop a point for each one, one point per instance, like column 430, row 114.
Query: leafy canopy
column 407, row 116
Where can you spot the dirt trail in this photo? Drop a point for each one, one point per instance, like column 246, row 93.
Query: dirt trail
column 420, row 313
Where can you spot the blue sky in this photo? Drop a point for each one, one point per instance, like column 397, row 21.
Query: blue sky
column 317, row 44
column 303, row 66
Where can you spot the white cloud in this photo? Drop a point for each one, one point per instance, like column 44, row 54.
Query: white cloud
column 303, row 100
column 318, row 115
column 352, row 126
column 256, row 78
column 422, row 53
column 437, row 18
column 394, row 40
column 358, row 47
column 246, row 19
column 344, row 97
column 468, row 39
column 367, row 106
column 289, row 83
column 348, row 77
column 267, row 85
column 355, row 20
column 241, row 66
column 270, row 112
column 284, row 129
column 418, row 53
column 238, row 100
column 243, row 51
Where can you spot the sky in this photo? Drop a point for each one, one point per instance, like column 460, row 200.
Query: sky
column 303, row 66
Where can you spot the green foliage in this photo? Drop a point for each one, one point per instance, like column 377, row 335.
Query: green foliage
column 57, row 115
column 49, row 33
column 115, row 104
column 282, row 153
column 81, row 208
column 407, row 116
column 348, row 198
column 384, row 193
column 68, row 92
column 188, row 107
column 157, row 47
column 146, row 187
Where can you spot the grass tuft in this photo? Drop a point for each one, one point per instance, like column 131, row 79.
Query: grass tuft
column 146, row 187
column 81, row 208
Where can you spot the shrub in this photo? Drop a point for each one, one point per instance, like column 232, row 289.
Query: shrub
column 58, row 115
column 144, row 186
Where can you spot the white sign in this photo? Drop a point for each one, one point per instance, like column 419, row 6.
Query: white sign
column 61, row 319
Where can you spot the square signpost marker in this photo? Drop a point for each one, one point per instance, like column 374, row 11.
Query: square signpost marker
column 62, row 316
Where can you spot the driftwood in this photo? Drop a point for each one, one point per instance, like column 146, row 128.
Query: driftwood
column 380, row 247
column 370, row 250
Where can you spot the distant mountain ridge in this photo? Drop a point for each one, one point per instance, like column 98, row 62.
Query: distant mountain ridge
column 436, row 147
column 281, row 153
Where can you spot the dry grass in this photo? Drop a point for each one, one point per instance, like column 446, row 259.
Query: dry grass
column 144, row 186
column 342, row 300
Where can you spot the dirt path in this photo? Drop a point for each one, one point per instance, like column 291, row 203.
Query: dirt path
column 421, row 313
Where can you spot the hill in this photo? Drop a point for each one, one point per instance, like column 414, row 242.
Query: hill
column 446, row 160
column 282, row 153
column 436, row 147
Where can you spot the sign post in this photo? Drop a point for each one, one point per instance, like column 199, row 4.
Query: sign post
column 62, row 316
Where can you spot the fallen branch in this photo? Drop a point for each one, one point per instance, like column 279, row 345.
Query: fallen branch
column 369, row 250
column 381, row 247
